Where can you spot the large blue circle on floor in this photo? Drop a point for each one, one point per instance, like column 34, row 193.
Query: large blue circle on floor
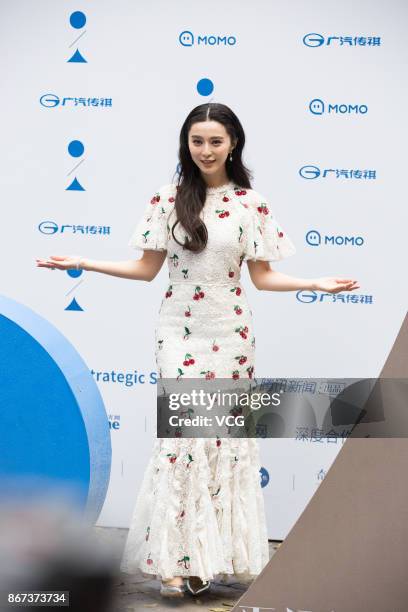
column 54, row 427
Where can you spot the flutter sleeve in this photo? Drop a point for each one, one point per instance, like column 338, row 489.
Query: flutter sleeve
column 152, row 230
column 266, row 238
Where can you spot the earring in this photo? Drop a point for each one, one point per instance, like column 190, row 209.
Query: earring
column 230, row 157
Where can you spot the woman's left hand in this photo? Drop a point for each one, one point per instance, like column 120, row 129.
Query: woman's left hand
column 331, row 284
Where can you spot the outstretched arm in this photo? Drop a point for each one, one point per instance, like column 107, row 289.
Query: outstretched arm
column 145, row 268
column 267, row 279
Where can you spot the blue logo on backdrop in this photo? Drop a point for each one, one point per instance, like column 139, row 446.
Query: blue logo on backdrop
column 264, row 477
column 187, row 39
column 314, row 172
column 51, row 100
column 314, row 238
column 50, row 228
column 318, row 107
column 205, row 87
column 310, row 297
column 318, row 40
column 75, row 149
column 77, row 20
column 74, row 305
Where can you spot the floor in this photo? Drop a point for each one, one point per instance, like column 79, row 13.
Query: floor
column 134, row 593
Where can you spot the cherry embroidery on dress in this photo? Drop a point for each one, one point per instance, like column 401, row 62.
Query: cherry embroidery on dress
column 147, row 534
column 149, row 561
column 215, row 346
column 198, row 294
column 238, row 309
column 208, row 374
column 187, row 333
column 241, row 359
column 237, row 290
column 263, row 209
column 155, row 198
column 184, row 561
column 187, row 313
column 222, row 213
column 188, row 360
column 242, row 331
column 172, row 457
column 185, row 273
column 241, row 231
column 235, row 374
column 231, row 273
column 145, row 235
column 169, row 291
column 250, row 371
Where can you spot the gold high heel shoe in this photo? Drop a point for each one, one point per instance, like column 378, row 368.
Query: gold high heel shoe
column 170, row 590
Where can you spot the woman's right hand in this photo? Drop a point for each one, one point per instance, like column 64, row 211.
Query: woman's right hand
column 61, row 262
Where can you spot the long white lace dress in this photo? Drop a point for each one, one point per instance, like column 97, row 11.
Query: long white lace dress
column 200, row 508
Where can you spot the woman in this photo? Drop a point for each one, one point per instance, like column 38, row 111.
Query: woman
column 200, row 510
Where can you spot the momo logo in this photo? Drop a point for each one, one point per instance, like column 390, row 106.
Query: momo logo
column 187, row 39
column 314, row 238
column 318, row 107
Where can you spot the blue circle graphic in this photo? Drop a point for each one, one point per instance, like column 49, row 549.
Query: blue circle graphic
column 77, row 20
column 74, row 273
column 76, row 148
column 54, row 424
column 205, row 87
column 264, row 476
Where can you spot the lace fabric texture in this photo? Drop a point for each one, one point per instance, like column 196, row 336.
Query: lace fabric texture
column 200, row 509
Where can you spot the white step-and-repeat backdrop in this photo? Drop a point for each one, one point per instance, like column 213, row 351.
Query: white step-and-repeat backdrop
column 94, row 95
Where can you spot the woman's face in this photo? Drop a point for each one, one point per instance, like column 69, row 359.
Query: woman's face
column 209, row 141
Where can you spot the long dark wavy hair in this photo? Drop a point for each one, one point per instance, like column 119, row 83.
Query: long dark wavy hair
column 191, row 187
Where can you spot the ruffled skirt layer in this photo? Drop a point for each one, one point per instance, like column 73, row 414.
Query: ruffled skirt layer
column 200, row 511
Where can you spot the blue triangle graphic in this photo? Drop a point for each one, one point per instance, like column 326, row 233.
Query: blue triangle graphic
column 74, row 306
column 75, row 186
column 77, row 58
